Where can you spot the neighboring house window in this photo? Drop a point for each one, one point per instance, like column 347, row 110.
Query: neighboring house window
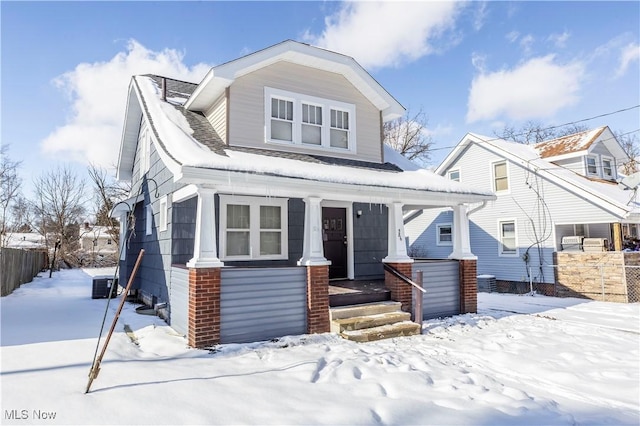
column 253, row 228
column 500, row 177
column 591, row 166
column 508, row 240
column 148, row 219
column 444, row 235
column 454, row 175
column 109, row 242
column 309, row 121
column 607, row 168
column 163, row 214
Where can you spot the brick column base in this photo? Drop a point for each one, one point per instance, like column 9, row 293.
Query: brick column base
column 468, row 286
column 318, row 299
column 204, row 307
column 400, row 291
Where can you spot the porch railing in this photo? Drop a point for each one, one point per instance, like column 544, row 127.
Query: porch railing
column 416, row 293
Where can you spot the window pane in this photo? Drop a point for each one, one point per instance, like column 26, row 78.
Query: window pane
column 454, row 176
column 270, row 217
column 508, row 237
column 502, row 184
column 311, row 114
column 339, row 138
column 311, row 134
column 269, row 243
column 237, row 216
column 281, row 130
column 237, row 243
column 591, row 165
column 500, row 170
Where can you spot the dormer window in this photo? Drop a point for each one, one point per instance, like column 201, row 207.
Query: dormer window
column 308, row 121
column 592, row 169
column 607, row 168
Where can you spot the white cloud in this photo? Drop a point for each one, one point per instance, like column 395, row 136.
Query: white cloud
column 534, row 89
column 559, row 40
column 512, row 36
column 98, row 93
column 630, row 53
column 526, row 42
column 380, row 34
column 480, row 15
column 478, row 61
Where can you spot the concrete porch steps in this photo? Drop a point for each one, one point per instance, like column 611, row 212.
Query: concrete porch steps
column 372, row 321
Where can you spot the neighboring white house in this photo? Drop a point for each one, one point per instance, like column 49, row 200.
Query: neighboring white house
column 25, row 240
column 97, row 240
column 566, row 187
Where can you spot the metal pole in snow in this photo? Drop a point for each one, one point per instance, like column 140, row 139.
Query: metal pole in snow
column 95, row 368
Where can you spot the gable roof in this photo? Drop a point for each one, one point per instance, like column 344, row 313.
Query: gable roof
column 608, row 195
column 581, row 143
column 191, row 149
column 222, row 76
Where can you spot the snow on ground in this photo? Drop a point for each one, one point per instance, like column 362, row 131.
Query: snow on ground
column 520, row 360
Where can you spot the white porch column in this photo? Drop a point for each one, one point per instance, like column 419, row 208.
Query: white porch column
column 397, row 247
column 205, row 250
column 461, row 241
column 313, row 251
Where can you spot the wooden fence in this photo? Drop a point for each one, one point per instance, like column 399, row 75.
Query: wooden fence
column 19, row 266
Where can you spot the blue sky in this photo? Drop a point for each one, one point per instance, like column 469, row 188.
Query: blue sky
column 472, row 67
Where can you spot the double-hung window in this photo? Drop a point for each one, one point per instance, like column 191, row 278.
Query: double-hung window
column 253, row 228
column 444, row 234
column 508, row 240
column 607, row 168
column 500, row 177
column 308, row 121
column 592, row 169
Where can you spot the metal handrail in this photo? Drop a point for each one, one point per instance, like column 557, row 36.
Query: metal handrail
column 403, row 277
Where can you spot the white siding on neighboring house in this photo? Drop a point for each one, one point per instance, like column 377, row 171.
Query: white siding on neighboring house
column 217, row 116
column 246, row 107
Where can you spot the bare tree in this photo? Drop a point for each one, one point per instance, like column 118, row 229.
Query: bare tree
column 10, row 184
column 408, row 135
column 629, row 142
column 533, row 132
column 107, row 192
column 59, row 207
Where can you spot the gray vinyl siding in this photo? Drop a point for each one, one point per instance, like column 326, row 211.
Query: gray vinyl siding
column 179, row 305
column 369, row 240
column 261, row 304
column 441, row 280
column 217, row 116
column 422, row 231
column 155, row 268
column 246, row 107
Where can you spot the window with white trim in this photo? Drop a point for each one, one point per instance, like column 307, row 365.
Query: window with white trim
column 253, row 228
column 148, row 219
column 508, row 240
column 500, row 177
column 607, row 168
column 592, row 169
column 163, row 214
column 454, row 175
column 444, row 234
column 309, row 121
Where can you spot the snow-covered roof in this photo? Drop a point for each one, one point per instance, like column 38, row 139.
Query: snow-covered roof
column 25, row 240
column 607, row 194
column 192, row 151
column 580, row 143
column 222, row 76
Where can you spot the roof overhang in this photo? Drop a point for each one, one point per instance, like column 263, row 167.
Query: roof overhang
column 246, row 183
column 129, row 139
column 219, row 78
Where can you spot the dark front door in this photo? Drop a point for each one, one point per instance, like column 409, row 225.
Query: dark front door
column 334, row 235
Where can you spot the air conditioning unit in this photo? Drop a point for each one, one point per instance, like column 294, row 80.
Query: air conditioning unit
column 595, row 244
column 572, row 243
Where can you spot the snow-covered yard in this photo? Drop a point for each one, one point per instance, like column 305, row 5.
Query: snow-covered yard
column 520, row 360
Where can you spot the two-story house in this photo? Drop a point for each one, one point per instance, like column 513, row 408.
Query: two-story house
column 256, row 187
column 551, row 197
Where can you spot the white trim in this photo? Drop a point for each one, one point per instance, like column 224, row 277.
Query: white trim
column 612, row 163
column 327, row 106
column 348, row 206
column 163, row 214
column 439, row 242
column 254, row 204
column 586, row 165
column 148, row 214
column 499, row 239
column 493, row 177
